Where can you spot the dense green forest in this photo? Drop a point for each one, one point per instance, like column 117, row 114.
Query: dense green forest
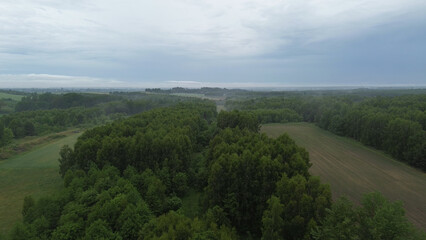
column 395, row 124
column 129, row 178
column 61, row 101
column 38, row 114
column 32, row 123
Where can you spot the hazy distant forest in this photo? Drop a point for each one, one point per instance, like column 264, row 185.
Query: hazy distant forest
column 166, row 164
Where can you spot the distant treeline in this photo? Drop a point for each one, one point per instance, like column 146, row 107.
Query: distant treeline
column 14, row 92
column 32, row 123
column 39, row 114
column 394, row 124
column 47, row 101
column 128, row 179
column 322, row 92
column 283, row 115
column 205, row 90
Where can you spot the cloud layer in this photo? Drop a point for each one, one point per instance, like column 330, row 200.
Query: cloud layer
column 213, row 41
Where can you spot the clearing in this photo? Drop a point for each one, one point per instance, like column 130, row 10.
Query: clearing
column 33, row 173
column 14, row 97
column 353, row 169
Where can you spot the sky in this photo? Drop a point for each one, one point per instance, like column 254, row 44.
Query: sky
column 212, row 43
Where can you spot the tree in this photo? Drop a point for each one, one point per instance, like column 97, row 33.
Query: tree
column 27, row 209
column 6, row 135
column 272, row 220
column 66, row 160
column 376, row 218
column 304, row 204
column 16, row 126
column 68, row 231
column 176, row 226
column 169, row 226
column 382, row 219
column 399, row 132
column 99, row 230
column 244, row 168
column 29, row 129
column 341, row 222
column 233, row 119
column 20, row 232
column 180, row 184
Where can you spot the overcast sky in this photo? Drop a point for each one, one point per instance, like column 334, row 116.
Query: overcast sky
column 225, row 43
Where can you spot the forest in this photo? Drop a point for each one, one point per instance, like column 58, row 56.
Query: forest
column 144, row 157
column 128, row 179
column 394, row 124
column 40, row 114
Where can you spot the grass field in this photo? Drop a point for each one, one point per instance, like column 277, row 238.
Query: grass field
column 352, row 169
column 33, row 173
column 19, row 146
column 11, row 96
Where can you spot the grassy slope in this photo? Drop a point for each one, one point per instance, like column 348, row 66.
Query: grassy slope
column 22, row 145
column 11, row 96
column 33, row 173
column 352, row 169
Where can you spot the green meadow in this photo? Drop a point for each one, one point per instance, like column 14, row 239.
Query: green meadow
column 34, row 173
column 14, row 97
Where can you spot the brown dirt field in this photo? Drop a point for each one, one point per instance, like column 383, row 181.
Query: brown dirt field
column 353, row 169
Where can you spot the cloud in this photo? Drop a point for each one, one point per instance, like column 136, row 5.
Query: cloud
column 284, row 86
column 143, row 41
column 56, row 81
column 201, row 28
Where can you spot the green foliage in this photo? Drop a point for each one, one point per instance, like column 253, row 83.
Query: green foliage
column 217, row 216
column 169, row 226
column 300, row 203
column 244, row 169
column 125, row 180
column 176, row 226
column 68, row 231
column 8, row 101
column 161, row 140
column 394, row 124
column 66, row 160
column 381, row 219
column 97, row 205
column 233, row 119
column 27, row 209
column 47, row 101
column 99, row 230
column 6, row 135
column 272, row 220
column 377, row 218
column 180, row 184
column 20, row 232
column 154, row 191
column 341, row 222
column 39, row 114
column 40, row 122
column 284, row 115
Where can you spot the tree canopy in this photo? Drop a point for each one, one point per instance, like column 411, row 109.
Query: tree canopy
column 131, row 178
